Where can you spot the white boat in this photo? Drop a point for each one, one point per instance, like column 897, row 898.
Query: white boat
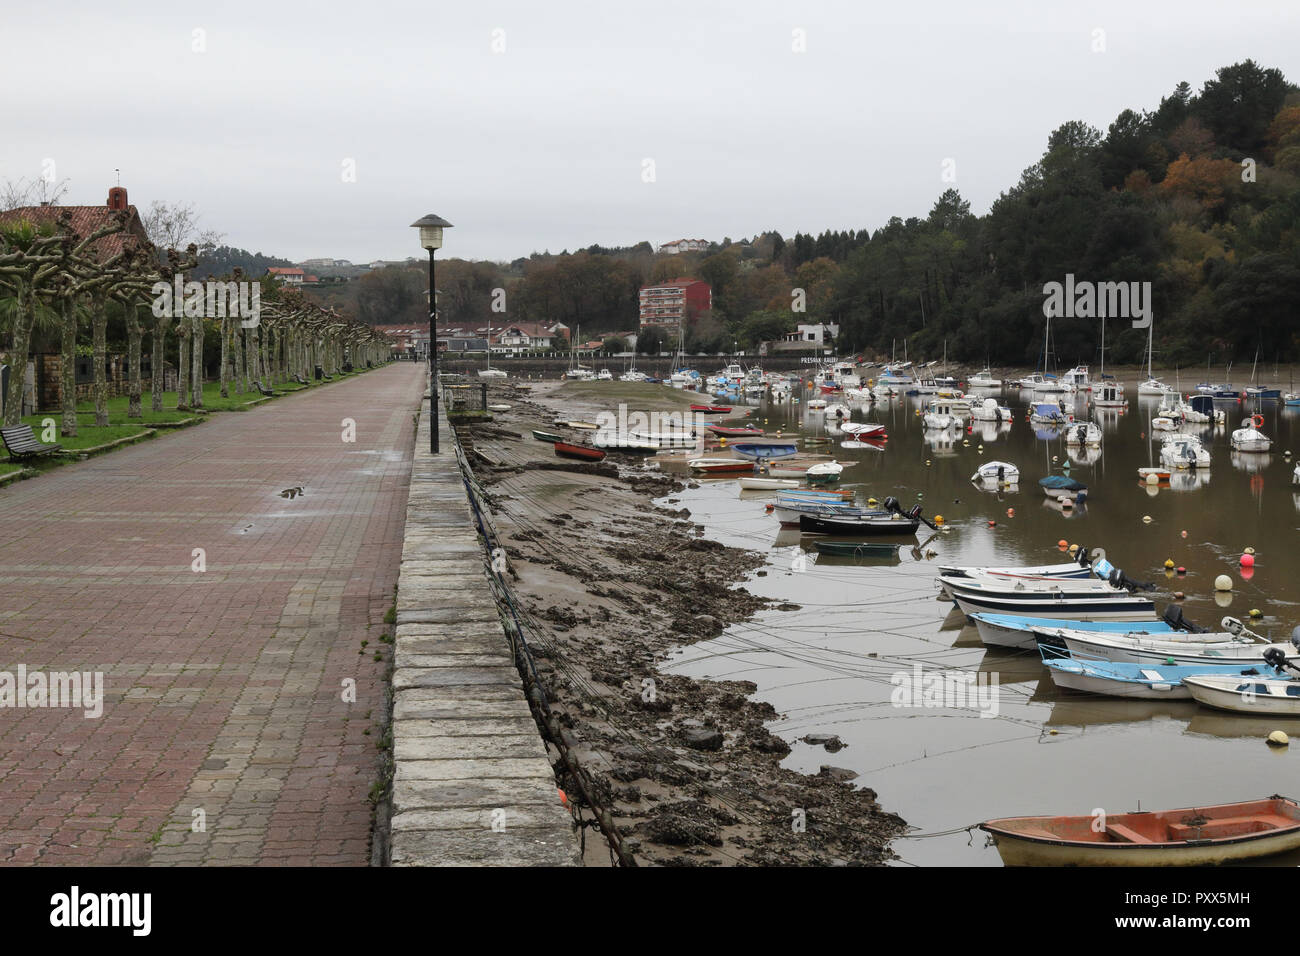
column 1216, row 647
column 984, row 379
column 1031, row 381
column 990, row 411
column 665, row 439
column 633, row 376
column 1017, row 631
column 494, row 373
column 824, row 473
column 1152, row 386
column 1163, row 423
column 1109, row 395
column 604, row 375
column 863, row 430
column 767, row 484
column 1246, row 695
column 999, row 472
column 837, row 410
column 1184, row 451
column 1249, row 438
column 1050, row 413
column 1051, row 385
column 943, row 415
column 1077, row 380
column 1116, row 607
column 979, row 581
column 1082, row 433
column 1067, row 569
column 817, row 404
column 1295, row 476
column 1199, row 411
column 1153, row 681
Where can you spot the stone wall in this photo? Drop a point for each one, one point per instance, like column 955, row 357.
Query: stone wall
column 472, row 784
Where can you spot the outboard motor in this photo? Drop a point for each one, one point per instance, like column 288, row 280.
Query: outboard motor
column 1082, row 557
column 1002, row 472
column 1295, row 637
column 891, row 504
column 1173, row 616
column 1275, row 657
column 915, row 512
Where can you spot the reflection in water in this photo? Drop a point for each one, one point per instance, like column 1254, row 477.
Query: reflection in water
column 826, row 666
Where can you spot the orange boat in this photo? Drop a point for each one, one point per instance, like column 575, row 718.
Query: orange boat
column 585, row 452
column 1194, row 836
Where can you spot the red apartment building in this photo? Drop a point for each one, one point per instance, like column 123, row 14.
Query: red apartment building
column 669, row 304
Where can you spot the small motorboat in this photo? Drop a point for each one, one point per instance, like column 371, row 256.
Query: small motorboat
column 1192, row 836
column 1082, row 433
column 584, row 452
column 817, row 403
column 984, row 379
column 1017, row 630
column 775, row 449
column 1162, row 474
column 1058, row 486
column 990, row 411
column 825, row 473
column 582, row 426
column 1109, row 395
column 1184, row 451
column 548, row 437
column 880, row 522
column 1050, row 413
column 863, row 431
column 857, row 549
column 1246, row 694
column 997, row 472
column 1147, row 681
column 712, row 409
column 720, row 466
column 767, row 484
column 1234, row 643
column 723, row 431
column 1249, row 437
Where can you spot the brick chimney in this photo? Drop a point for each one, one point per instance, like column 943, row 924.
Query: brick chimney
column 117, row 197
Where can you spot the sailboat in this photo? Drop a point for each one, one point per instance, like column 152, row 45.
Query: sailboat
column 1041, row 382
column 1153, row 385
column 489, row 371
column 1110, row 393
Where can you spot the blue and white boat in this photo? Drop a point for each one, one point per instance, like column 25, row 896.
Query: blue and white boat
column 764, row 450
column 1017, row 630
column 1150, row 680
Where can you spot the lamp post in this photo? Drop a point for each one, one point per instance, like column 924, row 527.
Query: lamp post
column 431, row 228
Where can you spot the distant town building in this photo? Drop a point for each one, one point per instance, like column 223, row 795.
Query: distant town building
column 325, row 263
column 287, row 276
column 683, row 245
column 807, row 337
column 523, row 336
column 669, row 304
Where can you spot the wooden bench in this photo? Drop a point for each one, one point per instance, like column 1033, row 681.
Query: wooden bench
column 21, row 442
column 264, row 390
column 1123, row 834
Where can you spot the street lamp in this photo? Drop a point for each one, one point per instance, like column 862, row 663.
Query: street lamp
column 431, row 228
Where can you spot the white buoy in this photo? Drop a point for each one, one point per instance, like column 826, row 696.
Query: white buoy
column 1223, row 583
column 1153, row 479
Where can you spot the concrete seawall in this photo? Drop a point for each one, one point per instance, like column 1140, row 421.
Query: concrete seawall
column 472, row 785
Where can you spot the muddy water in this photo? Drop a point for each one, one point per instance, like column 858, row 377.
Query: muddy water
column 828, row 667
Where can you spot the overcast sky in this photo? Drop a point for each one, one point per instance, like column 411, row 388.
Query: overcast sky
column 529, row 125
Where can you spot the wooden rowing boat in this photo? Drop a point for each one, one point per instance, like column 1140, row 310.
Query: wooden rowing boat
column 568, row 450
column 723, row 431
column 712, row 409
column 721, row 466
column 548, row 437
column 1193, row 836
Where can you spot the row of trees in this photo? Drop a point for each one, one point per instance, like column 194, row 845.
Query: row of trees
column 53, row 277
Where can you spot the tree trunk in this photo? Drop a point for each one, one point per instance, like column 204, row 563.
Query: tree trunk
column 196, row 356
column 158, row 363
column 22, row 338
column 99, row 323
column 183, row 366
column 225, row 356
column 68, row 373
column 133, row 337
column 240, row 335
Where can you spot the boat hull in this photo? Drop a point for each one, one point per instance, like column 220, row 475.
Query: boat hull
column 1101, row 609
column 580, row 452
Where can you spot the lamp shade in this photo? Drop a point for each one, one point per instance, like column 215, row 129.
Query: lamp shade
column 431, row 228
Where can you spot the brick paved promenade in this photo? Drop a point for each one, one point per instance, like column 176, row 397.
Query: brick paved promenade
column 223, row 689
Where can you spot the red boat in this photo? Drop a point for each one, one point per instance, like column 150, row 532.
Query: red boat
column 566, row 450
column 722, row 431
column 712, row 409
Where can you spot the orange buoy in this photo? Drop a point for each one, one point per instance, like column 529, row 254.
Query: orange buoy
column 1011, row 512
column 1062, row 544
